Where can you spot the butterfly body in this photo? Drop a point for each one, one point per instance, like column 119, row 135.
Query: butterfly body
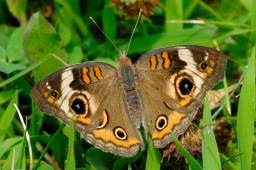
column 161, row 93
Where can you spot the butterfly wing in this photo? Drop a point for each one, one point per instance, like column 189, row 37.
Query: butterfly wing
column 172, row 83
column 90, row 94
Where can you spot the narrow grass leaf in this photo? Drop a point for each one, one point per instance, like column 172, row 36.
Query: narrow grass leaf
column 8, row 144
column 48, row 145
column 5, row 96
column 246, row 114
column 18, row 75
column 173, row 11
column 191, row 160
column 153, row 161
column 8, row 162
column 70, row 163
column 20, row 157
column 210, row 154
column 8, row 115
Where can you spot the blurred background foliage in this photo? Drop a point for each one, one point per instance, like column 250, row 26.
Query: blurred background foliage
column 30, row 31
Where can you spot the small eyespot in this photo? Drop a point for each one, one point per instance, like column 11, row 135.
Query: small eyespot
column 54, row 93
column 120, row 133
column 103, row 121
column 203, row 66
column 185, row 86
column 161, row 122
column 79, row 105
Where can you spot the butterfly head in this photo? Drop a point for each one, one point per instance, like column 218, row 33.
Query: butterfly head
column 124, row 60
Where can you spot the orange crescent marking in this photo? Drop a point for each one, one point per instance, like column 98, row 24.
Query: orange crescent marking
column 83, row 120
column 98, row 73
column 107, row 136
column 85, row 74
column 185, row 101
column 174, row 118
column 153, row 62
column 167, row 61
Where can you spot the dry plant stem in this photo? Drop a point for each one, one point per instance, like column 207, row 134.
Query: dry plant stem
column 187, row 22
column 27, row 137
column 51, row 159
column 59, row 59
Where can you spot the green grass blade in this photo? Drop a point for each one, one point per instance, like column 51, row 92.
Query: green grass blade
column 48, row 145
column 5, row 96
column 246, row 115
column 18, row 75
column 210, row 154
column 153, row 157
column 191, row 160
column 8, row 115
column 8, row 145
column 173, row 11
column 70, row 163
column 8, row 162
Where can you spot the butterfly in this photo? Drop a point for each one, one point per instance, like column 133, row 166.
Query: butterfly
column 161, row 93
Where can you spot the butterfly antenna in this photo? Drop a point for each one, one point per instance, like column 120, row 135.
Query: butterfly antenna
column 133, row 31
column 91, row 18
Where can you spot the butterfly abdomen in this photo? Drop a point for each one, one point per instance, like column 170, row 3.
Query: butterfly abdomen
column 131, row 98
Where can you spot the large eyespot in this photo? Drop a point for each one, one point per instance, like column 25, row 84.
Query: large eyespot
column 103, row 121
column 79, row 105
column 184, row 85
column 54, row 93
column 161, row 122
column 120, row 133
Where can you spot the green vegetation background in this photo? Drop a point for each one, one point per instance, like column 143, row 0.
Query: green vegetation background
column 31, row 31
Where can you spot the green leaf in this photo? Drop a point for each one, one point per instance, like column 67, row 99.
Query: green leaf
column 200, row 35
column 153, row 161
column 44, row 166
column 23, row 72
column 2, row 54
column 8, row 68
column 191, row 160
column 246, row 114
column 210, row 153
column 5, row 96
column 173, row 11
column 18, row 9
column 8, row 144
column 109, row 20
column 65, row 34
column 40, row 41
column 98, row 159
column 7, row 117
column 70, row 163
column 76, row 55
column 14, row 49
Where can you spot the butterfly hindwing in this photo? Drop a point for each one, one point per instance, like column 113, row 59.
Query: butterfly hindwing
column 172, row 83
